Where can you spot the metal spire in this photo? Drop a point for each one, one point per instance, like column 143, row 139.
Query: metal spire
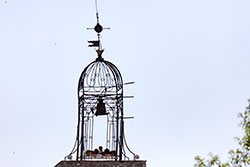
column 98, row 29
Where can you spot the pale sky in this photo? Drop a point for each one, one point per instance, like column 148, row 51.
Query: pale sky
column 189, row 59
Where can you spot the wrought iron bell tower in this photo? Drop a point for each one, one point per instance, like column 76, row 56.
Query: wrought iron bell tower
column 100, row 94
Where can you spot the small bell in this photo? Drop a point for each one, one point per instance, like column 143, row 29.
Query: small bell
column 100, row 108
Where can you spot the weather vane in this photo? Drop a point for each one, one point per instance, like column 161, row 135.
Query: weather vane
column 98, row 29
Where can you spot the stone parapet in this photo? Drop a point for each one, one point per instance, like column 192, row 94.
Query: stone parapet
column 140, row 163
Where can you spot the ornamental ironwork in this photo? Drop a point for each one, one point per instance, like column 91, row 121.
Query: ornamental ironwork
column 100, row 94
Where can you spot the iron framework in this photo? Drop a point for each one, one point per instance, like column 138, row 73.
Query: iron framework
column 100, row 80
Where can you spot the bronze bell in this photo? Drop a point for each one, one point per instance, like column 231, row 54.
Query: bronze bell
column 100, row 108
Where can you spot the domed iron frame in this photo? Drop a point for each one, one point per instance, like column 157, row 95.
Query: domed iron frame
column 100, row 80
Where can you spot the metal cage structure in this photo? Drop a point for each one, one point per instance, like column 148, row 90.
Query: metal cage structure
column 100, row 93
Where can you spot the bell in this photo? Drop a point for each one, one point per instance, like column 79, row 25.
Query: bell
column 100, row 108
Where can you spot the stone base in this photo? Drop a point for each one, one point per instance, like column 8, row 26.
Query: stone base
column 101, row 164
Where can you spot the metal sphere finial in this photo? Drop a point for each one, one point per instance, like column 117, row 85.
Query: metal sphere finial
column 98, row 28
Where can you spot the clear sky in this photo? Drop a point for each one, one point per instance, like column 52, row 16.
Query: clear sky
column 189, row 59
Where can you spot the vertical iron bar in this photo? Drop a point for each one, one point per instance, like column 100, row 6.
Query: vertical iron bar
column 107, row 133
column 117, row 128
column 91, row 148
column 82, row 135
column 121, row 134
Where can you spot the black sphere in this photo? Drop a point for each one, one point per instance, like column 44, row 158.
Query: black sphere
column 98, row 28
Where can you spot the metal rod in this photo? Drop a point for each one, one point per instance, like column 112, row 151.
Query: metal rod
column 82, row 133
column 128, row 83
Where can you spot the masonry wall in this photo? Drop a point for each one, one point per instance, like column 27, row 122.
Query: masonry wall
column 101, row 164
